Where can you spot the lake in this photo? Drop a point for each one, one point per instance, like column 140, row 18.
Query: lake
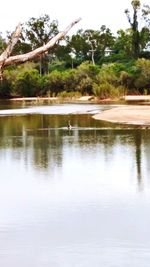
column 72, row 198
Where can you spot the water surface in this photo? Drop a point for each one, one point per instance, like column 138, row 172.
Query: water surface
column 76, row 197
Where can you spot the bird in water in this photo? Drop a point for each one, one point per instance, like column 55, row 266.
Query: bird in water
column 69, row 125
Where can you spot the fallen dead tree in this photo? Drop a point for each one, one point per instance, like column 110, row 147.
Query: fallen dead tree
column 6, row 59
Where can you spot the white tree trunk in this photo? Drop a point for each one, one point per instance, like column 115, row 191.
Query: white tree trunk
column 6, row 59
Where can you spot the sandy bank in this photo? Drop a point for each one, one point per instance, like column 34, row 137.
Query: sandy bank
column 136, row 98
column 33, row 98
column 83, row 98
column 137, row 115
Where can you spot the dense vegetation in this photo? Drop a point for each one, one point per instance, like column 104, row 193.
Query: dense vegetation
column 94, row 62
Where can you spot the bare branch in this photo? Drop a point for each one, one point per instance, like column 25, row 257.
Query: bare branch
column 128, row 16
column 14, row 39
column 37, row 52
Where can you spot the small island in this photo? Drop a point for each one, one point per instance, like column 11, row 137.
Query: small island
column 130, row 114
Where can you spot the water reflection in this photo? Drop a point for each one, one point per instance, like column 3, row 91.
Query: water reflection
column 44, row 138
column 138, row 152
column 70, row 196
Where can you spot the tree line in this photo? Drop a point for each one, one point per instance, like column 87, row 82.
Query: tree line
column 89, row 62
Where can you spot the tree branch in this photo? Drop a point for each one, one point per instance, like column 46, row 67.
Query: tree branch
column 128, row 16
column 37, row 52
column 6, row 54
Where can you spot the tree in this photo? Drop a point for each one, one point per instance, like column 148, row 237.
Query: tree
column 90, row 44
column 37, row 31
column 6, row 59
column 123, row 44
column 134, row 26
column 105, row 40
column 78, row 47
column 137, row 35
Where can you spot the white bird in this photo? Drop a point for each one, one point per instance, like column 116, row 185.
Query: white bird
column 69, row 125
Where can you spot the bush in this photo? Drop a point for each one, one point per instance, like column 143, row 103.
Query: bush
column 126, row 79
column 69, row 79
column 107, row 90
column 5, row 88
column 54, row 83
column 143, row 79
column 27, row 83
column 69, row 95
column 85, row 86
column 107, row 74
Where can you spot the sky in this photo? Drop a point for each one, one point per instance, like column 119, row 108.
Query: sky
column 93, row 13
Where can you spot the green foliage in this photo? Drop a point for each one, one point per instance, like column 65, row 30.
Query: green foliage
column 38, row 31
column 108, row 74
column 54, row 82
column 5, row 88
column 123, row 44
column 143, row 79
column 84, row 76
column 79, row 47
column 90, row 44
column 79, row 64
column 56, row 64
column 140, row 37
column 27, row 83
column 126, row 80
column 107, row 90
column 69, row 95
column 107, row 83
column 109, row 80
column 85, row 86
column 89, row 69
column 69, row 80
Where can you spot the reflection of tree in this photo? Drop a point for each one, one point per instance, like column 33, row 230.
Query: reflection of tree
column 146, row 144
column 41, row 152
column 29, row 138
column 40, row 139
column 138, row 143
column 47, row 149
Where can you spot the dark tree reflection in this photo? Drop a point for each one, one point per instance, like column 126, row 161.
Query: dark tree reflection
column 138, row 153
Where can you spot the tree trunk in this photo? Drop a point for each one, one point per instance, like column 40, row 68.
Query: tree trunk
column 6, row 54
column 6, row 59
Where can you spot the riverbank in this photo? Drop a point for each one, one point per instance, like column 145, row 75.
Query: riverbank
column 131, row 114
column 58, row 99
column 125, row 99
column 34, row 99
column 126, row 114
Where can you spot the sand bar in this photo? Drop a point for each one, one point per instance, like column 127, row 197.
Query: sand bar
column 136, row 98
column 32, row 98
column 136, row 115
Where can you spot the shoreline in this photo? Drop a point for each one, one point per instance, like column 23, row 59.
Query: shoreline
column 131, row 114
column 126, row 99
column 36, row 98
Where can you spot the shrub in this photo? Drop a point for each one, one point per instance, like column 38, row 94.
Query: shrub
column 85, row 85
column 143, row 79
column 126, row 79
column 107, row 74
column 27, row 83
column 107, row 90
column 54, row 82
column 5, row 88
column 69, row 79
column 69, row 95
